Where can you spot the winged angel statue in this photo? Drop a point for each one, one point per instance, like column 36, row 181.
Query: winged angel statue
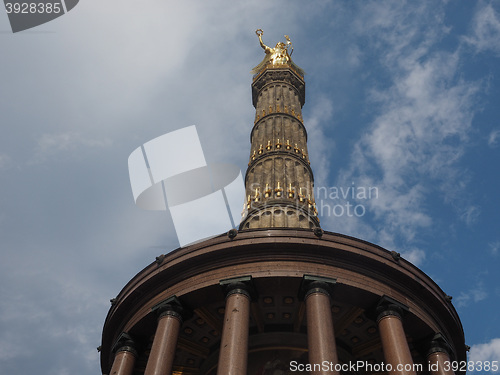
column 276, row 56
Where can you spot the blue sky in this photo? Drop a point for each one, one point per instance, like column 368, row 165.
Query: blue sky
column 401, row 96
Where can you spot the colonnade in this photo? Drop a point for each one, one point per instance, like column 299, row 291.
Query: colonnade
column 317, row 295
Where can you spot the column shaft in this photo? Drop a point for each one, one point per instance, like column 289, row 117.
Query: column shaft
column 162, row 353
column 320, row 335
column 396, row 350
column 123, row 363
column 234, row 343
column 437, row 364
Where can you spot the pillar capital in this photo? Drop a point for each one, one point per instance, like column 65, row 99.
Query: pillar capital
column 438, row 343
column 438, row 355
column 125, row 343
column 316, row 284
column 170, row 307
column 388, row 306
column 125, row 353
column 238, row 285
column 286, row 75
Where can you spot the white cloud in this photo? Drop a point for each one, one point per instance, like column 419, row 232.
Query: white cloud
column 424, row 116
column 470, row 214
column 415, row 256
column 494, row 247
column 67, row 143
column 493, row 138
column 51, row 143
column 320, row 146
column 412, row 146
column 486, row 30
column 489, row 351
column 5, row 161
column 405, row 31
column 474, row 295
column 9, row 349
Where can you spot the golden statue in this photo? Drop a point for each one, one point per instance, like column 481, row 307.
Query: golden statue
column 276, row 56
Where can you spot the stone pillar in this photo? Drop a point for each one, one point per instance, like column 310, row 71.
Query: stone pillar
column 161, row 357
column 437, row 356
column 320, row 334
column 234, row 342
column 125, row 356
column 394, row 344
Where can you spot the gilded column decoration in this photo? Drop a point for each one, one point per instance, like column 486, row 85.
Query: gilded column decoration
column 279, row 165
